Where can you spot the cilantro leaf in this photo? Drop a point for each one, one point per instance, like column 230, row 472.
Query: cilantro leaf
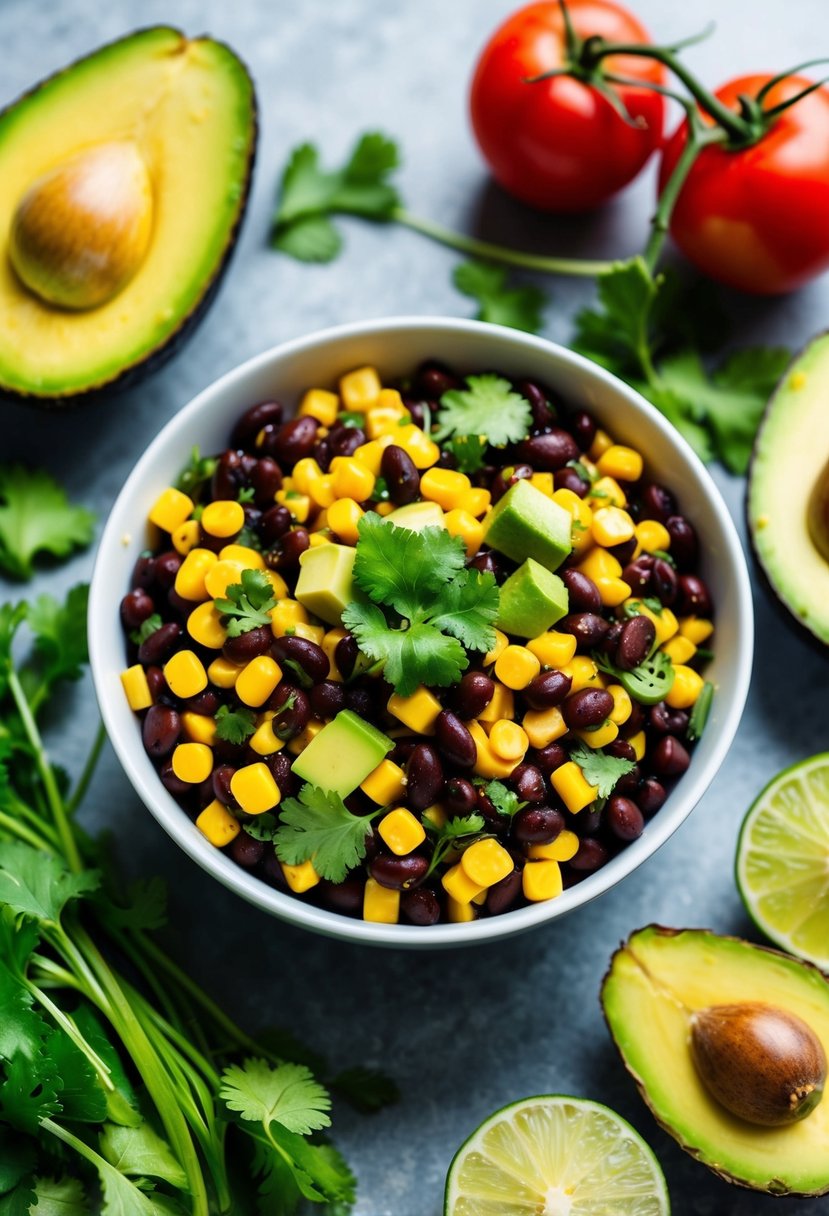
column 18, row 1202
column 141, row 1152
column 80, row 1093
column 37, row 884
column 517, row 307
column 469, row 451
column 398, row 567
column 235, row 725
column 599, row 769
column 366, row 1089
column 286, row 1094
column 308, row 195
column 263, row 827
column 17, row 1159
column 146, row 629
column 194, row 474
column 469, row 606
column 36, row 517
column 291, row 1168
column 505, row 800
column 145, row 907
column 59, row 1197
column 318, row 825
column 462, row 827
column 22, row 1030
column 420, row 654
column 29, row 1093
column 618, row 336
column 247, row 604
column 60, row 634
column 487, row 406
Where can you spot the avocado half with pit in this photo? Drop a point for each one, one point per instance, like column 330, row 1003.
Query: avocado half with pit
column 659, row 983
column 123, row 182
column 788, row 490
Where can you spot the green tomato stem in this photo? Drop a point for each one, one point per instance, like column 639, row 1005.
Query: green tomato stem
column 699, row 138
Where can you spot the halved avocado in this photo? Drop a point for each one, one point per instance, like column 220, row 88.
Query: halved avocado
column 186, row 108
column 657, row 979
column 791, row 457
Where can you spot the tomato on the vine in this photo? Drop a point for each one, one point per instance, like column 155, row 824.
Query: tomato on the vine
column 559, row 144
column 757, row 218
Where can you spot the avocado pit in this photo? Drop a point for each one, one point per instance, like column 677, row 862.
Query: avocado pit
column 82, row 229
column 817, row 513
column 764, row 1065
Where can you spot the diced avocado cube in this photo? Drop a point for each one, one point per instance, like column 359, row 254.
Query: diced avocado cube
column 532, row 599
column 343, row 754
column 526, row 523
column 325, row 584
column 418, row 515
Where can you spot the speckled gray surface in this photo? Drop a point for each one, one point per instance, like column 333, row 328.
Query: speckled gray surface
column 465, row 1031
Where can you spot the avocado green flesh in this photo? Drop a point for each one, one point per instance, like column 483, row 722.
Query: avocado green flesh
column 791, row 452
column 326, row 584
column 532, row 599
column 189, row 107
column 656, row 980
column 343, row 754
column 525, row 523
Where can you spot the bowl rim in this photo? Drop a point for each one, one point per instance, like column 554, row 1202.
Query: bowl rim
column 333, row 924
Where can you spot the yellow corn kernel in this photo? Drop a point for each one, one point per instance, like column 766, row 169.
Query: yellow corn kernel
column 666, row 624
column 501, row 706
column 583, row 672
column 543, row 726
column 460, row 523
column 606, row 492
column 572, row 787
column 501, row 643
column 277, row 582
column 287, row 614
column 541, row 880
column 204, row 624
column 186, row 536
column 458, row 913
column 487, row 762
column 192, row 762
column 351, row 479
column 298, row 504
column 696, row 629
column 311, row 633
column 600, row 564
column 476, row 501
column 486, row 862
column 436, row 815
column 543, row 482
column 136, row 688
column 360, row 389
column 679, row 649
column 320, row 404
column 565, row 846
column 221, row 576
column 192, row 572
column 620, row 462
column 223, row 518
column 247, row 558
column 639, row 744
column 601, row 735
column 185, row 674
column 417, row 711
column 478, row 901
column 371, row 454
column 381, row 905
column 611, row 526
column 300, row 742
column 444, row 486
column 258, row 680
column 254, row 788
column 687, row 686
column 420, row 447
column 516, row 666
column 653, row 535
column 601, row 443
column 170, row 509
column 401, row 831
column 199, row 728
column 457, row 884
column 330, row 640
column 622, row 704
column 613, row 591
column 384, row 419
column 218, row 824
column 553, row 649
column 385, row 784
column 343, row 517
column 300, row 878
column 319, row 538
column 223, row 673
column 305, row 473
column 581, row 515
column 508, row 740
column 263, row 741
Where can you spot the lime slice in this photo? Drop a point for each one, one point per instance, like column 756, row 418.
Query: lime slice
column 555, row 1156
column 783, row 860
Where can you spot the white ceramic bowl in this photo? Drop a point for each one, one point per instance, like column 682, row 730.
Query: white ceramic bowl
column 395, row 346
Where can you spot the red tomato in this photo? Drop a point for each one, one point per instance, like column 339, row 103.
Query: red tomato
column 559, row 144
column 758, row 219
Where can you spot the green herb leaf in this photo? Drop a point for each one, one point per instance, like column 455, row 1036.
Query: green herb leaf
column 286, row 1094
column 36, row 517
column 145, row 907
column 59, row 1197
column 319, row 826
column 37, row 884
column 420, row 654
column 505, row 800
column 469, row 605
column 194, row 475
column 465, row 828
column 19, row 1201
column 81, row 1097
column 366, row 1089
column 147, row 628
column 700, row 712
column 599, row 769
column 235, row 725
column 469, row 451
column 60, row 634
column 247, row 604
column 22, row 1031
column 17, row 1159
column 487, row 406
column 401, row 568
column 517, row 307
column 29, row 1093
column 141, row 1152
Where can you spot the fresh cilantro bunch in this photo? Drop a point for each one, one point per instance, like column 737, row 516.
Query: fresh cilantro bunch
column 36, row 517
column 426, row 608
column 247, row 604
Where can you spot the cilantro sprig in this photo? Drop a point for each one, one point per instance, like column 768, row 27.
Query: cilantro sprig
column 469, row 452
column 235, row 725
column 599, row 769
column 463, row 830
column 488, row 406
column 247, row 604
column 499, row 303
column 318, row 825
column 196, row 473
column 427, row 610
column 505, row 800
column 36, row 517
column 146, row 629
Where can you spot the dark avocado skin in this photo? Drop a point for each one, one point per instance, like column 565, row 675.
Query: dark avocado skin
column 154, row 360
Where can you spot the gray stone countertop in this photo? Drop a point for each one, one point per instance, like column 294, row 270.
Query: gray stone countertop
column 465, row 1031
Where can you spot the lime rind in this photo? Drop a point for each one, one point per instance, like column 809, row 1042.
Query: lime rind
column 782, row 861
column 555, row 1155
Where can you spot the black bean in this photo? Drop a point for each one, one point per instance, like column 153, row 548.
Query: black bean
column 657, row 502
column 172, row 783
column 624, row 552
column 592, row 855
column 684, row 543
column 624, row 818
column 399, row 873
column 166, row 568
column 587, row 707
column 421, row 906
column 528, row 783
column 496, row 822
column 287, row 551
column 274, row 524
column 549, row 451
column 694, row 596
column 583, row 428
column 459, row 796
column 322, row 453
column 271, row 871
column 143, row 572
column 327, row 699
column 221, row 784
column 588, row 628
column 549, row 758
column 669, row 758
column 548, row 688
column 228, row 476
column 344, row 440
column 650, row 796
column 136, row 606
column 266, row 479
column 667, row 721
column 206, row 703
column 502, row 895
column 294, row 441
column 433, row 379
column 160, row 731
column 582, row 592
column 179, row 604
column 293, row 711
column 635, row 722
column 611, row 638
column 454, row 740
column 542, row 411
column 425, row 777
column 621, row 749
column 345, row 655
column 537, row 825
column 637, row 574
column 568, row 479
column 248, row 645
column 346, row 897
column 473, row 694
column 251, row 422
column 246, row 851
column 507, row 477
column 156, row 682
column 400, row 473
column 360, row 700
column 158, row 645
column 280, row 766
column 310, row 657
column 635, row 642
column 663, row 581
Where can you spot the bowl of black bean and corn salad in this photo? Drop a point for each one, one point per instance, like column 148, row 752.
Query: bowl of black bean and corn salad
column 420, row 631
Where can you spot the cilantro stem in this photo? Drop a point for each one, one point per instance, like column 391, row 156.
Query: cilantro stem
column 69, row 1028
column 499, row 253
column 88, row 771
column 22, row 832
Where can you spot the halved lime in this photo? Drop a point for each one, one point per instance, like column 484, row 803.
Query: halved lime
column 555, row 1156
column 783, row 860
